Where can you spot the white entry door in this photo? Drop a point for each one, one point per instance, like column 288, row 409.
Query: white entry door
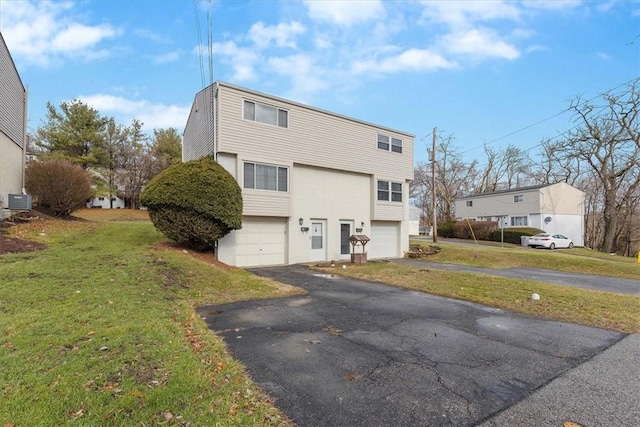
column 318, row 240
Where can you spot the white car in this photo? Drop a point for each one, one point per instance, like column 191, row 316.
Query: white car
column 551, row 241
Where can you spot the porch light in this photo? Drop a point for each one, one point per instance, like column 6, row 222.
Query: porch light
column 300, row 221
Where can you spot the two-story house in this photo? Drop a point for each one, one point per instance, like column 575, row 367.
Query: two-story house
column 310, row 178
column 13, row 119
column 554, row 208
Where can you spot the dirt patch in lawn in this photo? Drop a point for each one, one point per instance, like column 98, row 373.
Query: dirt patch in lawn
column 12, row 245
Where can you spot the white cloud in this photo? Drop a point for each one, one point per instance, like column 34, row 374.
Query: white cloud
column 479, row 43
column 242, row 60
column 152, row 115
column 345, row 12
column 43, row 32
column 409, row 60
column 283, row 35
column 554, row 5
column 463, row 14
column 303, row 73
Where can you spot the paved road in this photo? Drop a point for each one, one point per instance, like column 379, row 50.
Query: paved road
column 586, row 281
column 355, row 353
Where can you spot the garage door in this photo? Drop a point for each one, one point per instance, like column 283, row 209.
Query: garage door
column 261, row 242
column 384, row 239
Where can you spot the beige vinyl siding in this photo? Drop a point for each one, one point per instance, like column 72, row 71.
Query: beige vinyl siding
column 313, row 138
column 199, row 131
column 12, row 98
column 265, row 203
column 499, row 204
column 562, row 198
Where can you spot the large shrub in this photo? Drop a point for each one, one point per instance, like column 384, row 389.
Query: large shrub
column 445, row 230
column 58, row 185
column 512, row 235
column 481, row 229
column 194, row 203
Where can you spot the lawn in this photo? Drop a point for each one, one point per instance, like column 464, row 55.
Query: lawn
column 577, row 260
column 100, row 329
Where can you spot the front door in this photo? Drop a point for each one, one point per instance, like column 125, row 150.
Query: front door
column 318, row 240
column 346, row 228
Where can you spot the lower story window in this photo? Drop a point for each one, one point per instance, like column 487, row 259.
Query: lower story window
column 519, row 221
column 265, row 177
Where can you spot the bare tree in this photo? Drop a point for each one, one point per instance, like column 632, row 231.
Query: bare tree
column 608, row 142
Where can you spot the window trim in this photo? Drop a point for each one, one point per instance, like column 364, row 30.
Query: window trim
column 387, row 188
column 469, row 203
column 278, row 182
column 389, row 143
column 518, row 217
column 518, row 198
column 254, row 116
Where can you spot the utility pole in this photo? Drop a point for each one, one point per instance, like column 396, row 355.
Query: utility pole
column 433, row 187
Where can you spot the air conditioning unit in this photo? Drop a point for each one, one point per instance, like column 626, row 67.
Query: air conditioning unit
column 19, row 202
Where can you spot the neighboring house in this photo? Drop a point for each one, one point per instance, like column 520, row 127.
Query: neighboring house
column 554, row 208
column 102, row 202
column 13, row 116
column 310, row 178
column 414, row 220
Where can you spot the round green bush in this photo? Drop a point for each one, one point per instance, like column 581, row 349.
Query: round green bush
column 194, row 203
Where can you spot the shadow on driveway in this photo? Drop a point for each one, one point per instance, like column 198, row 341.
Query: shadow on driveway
column 356, row 353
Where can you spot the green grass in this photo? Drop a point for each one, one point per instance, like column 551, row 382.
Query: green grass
column 577, row 260
column 600, row 309
column 99, row 329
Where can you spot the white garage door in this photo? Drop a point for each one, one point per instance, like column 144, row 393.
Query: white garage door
column 384, row 240
column 261, row 242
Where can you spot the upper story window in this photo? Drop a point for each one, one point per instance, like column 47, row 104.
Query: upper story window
column 265, row 177
column 389, row 191
column 469, row 203
column 263, row 113
column 518, row 198
column 389, row 143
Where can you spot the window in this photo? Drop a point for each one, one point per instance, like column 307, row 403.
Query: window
column 389, row 143
column 263, row 113
column 518, row 221
column 518, row 198
column 265, row 177
column 469, row 203
column 389, row 191
column 383, row 142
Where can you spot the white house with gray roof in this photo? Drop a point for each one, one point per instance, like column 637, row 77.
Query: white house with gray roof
column 310, row 178
column 554, row 208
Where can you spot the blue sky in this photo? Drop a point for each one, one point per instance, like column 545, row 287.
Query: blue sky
column 482, row 71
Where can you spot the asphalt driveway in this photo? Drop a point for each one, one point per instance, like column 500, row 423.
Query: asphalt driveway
column 360, row 353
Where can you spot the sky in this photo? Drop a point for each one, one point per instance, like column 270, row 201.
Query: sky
column 492, row 73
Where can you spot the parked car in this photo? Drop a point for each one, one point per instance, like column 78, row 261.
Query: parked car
column 551, row 241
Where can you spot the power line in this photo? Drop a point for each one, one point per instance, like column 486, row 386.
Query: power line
column 547, row 119
column 195, row 9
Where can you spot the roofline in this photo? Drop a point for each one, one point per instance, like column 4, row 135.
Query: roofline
column 218, row 84
column 515, row 190
column 13, row 62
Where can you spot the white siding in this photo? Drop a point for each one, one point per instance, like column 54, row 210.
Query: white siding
column 11, row 156
column 330, row 195
column 198, row 137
